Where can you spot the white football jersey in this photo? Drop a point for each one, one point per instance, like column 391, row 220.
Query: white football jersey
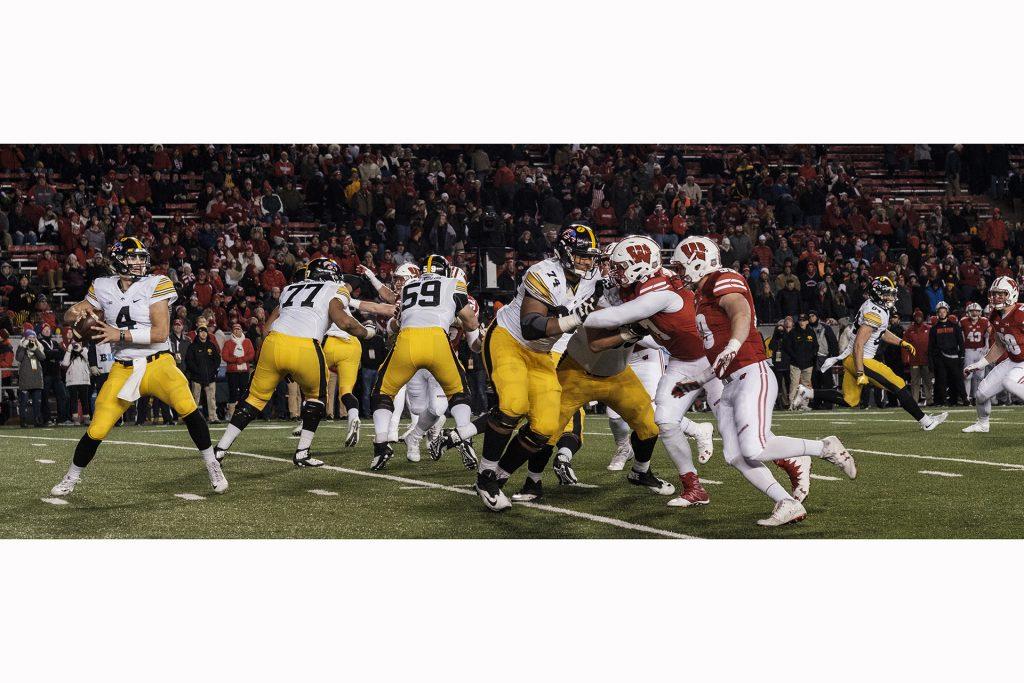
column 546, row 282
column 349, row 303
column 305, row 308
column 129, row 309
column 872, row 315
column 431, row 301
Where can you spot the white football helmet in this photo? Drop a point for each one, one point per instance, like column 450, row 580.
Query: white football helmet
column 1003, row 293
column 404, row 273
column 974, row 309
column 942, row 304
column 633, row 260
column 696, row 257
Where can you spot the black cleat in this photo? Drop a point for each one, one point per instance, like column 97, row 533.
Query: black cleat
column 488, row 487
column 382, row 452
column 563, row 470
column 450, row 438
column 651, row 481
column 532, row 491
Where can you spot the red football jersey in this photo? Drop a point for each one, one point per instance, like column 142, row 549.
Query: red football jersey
column 975, row 333
column 714, row 324
column 455, row 333
column 677, row 331
column 1009, row 328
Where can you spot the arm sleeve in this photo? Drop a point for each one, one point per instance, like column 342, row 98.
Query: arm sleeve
column 641, row 308
column 648, row 343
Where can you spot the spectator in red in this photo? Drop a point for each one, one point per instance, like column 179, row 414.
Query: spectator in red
column 348, row 261
column 203, row 289
column 993, row 232
column 604, row 215
column 763, row 252
column 51, row 276
column 216, row 208
column 679, row 222
column 284, row 167
column 879, row 225
column 658, row 225
column 272, row 277
column 136, row 189
column 881, row 266
column 161, row 159
column 238, row 353
column 920, row 374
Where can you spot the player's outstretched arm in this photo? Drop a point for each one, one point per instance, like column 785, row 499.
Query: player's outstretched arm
column 602, row 339
column 638, row 309
column 383, row 291
column 339, row 317
column 374, row 308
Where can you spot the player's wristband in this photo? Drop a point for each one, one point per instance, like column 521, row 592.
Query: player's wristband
column 733, row 345
column 371, row 331
column 140, row 336
column 568, row 323
column 982, row 363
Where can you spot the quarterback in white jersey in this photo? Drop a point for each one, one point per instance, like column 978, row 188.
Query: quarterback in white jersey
column 132, row 309
column 428, row 305
column 292, row 347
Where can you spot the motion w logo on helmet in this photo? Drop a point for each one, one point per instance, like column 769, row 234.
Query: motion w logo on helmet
column 693, row 250
column 640, row 252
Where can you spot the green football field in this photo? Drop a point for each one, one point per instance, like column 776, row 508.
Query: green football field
column 911, row 484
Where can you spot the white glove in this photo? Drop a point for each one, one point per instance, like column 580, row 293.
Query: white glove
column 629, row 334
column 828, row 363
column 974, row 367
column 371, row 330
column 726, row 357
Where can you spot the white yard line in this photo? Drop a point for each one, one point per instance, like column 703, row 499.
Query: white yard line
column 322, row 492
column 600, row 519
column 709, row 481
column 824, row 477
column 189, row 496
column 939, row 474
column 45, row 462
column 54, row 501
column 941, row 458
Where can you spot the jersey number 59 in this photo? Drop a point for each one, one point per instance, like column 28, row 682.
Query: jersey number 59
column 426, row 294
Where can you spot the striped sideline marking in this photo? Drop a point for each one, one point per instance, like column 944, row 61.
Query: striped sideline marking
column 939, row 474
column 600, row 519
column 54, row 501
column 189, row 496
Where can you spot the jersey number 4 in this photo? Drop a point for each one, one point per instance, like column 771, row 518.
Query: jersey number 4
column 124, row 319
column 426, row 294
column 310, row 298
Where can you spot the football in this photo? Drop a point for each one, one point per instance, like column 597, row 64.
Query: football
column 82, row 329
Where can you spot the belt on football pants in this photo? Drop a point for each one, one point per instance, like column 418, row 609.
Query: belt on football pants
column 129, row 363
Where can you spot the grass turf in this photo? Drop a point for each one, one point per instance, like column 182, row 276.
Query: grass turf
column 129, row 489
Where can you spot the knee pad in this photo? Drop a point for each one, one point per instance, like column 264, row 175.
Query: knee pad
column 245, row 413
column 312, row 412
column 502, row 423
column 532, row 439
column 350, row 402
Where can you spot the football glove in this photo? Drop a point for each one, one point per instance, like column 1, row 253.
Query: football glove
column 726, row 357
column 862, row 379
column 974, row 367
column 909, row 347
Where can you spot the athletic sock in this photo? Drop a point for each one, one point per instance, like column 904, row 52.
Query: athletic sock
column 777, row 493
column 644, row 466
column 761, row 477
column 564, row 454
column 677, row 446
column 620, row 430
column 74, row 471
column 538, row 462
column 495, row 443
column 984, row 409
column 909, row 404
column 535, row 476
column 779, row 447
column 85, row 451
column 228, row 437
column 353, row 414
column 688, row 426
column 643, row 450
column 381, row 425
column 517, row 453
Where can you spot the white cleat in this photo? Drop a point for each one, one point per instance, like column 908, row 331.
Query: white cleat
column 65, row 487
column 217, row 478
column 412, row 446
column 836, row 453
column 933, row 421
column 298, row 430
column 353, row 433
column 621, row 457
column 785, row 511
column 803, row 398
column 979, row 426
column 705, row 442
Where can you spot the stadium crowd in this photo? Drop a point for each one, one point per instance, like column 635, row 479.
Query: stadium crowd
column 230, row 224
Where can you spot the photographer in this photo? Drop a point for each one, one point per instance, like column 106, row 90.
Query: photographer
column 78, row 379
column 30, row 357
column 53, row 383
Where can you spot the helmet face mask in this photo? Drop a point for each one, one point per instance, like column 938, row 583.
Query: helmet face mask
column 1003, row 293
column 403, row 274
column 883, row 292
column 129, row 258
column 974, row 310
column 577, row 251
column 323, row 269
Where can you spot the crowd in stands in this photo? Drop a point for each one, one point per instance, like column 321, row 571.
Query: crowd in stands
column 808, row 225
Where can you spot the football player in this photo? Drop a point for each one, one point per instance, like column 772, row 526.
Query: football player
column 664, row 307
column 735, row 351
column 292, row 347
column 860, row 367
column 554, row 298
column 428, row 306
column 976, row 340
column 1007, row 326
column 135, row 318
